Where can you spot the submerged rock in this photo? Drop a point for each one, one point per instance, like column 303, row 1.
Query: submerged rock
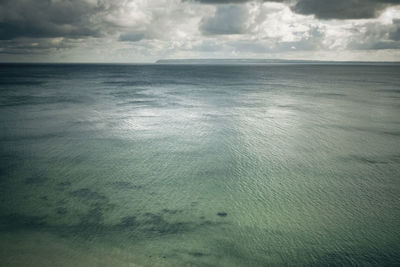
column 35, row 180
column 173, row 211
column 61, row 210
column 93, row 217
column 125, row 185
column 197, row 254
column 87, row 194
column 62, row 186
column 129, row 221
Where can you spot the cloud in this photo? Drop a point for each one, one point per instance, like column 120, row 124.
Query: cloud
column 228, row 19
column 23, row 46
column 307, row 41
column 216, row 2
column 48, row 18
column 326, row 9
column 342, row 9
column 376, row 36
column 395, row 34
column 132, row 37
column 145, row 30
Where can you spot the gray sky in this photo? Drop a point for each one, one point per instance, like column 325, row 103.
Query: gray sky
column 147, row 30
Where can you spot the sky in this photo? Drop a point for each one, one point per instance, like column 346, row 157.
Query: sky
column 133, row 31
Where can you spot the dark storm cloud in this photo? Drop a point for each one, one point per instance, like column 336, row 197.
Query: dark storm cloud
column 342, row 9
column 46, row 18
column 327, row 9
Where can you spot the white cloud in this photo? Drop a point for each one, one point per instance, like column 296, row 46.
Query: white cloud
column 145, row 30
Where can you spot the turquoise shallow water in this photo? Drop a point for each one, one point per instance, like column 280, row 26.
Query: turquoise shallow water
column 162, row 165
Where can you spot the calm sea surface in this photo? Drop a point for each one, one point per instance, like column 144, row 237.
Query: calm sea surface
column 185, row 165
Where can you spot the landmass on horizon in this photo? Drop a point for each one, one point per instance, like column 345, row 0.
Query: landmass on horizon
column 238, row 61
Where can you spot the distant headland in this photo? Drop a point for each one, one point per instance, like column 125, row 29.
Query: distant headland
column 247, row 61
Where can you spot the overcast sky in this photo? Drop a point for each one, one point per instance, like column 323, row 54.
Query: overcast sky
column 147, row 30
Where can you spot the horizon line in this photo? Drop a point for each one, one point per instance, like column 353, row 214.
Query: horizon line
column 183, row 61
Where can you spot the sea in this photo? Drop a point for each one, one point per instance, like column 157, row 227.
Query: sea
column 200, row 165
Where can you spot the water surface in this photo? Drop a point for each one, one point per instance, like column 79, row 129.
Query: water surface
column 185, row 165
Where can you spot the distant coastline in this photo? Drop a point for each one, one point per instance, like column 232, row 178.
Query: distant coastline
column 245, row 61
column 205, row 61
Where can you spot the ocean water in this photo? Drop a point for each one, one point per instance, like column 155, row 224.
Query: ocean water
column 196, row 165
